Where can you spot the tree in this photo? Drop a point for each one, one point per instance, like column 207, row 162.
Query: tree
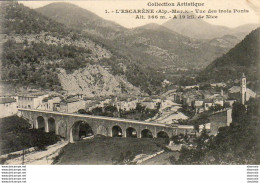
column 238, row 113
column 201, row 140
column 97, row 111
column 82, row 111
column 234, row 144
column 110, row 108
column 217, row 107
column 139, row 107
column 176, row 139
column 253, row 107
column 173, row 160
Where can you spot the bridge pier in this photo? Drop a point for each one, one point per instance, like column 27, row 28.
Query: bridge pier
column 139, row 134
column 124, row 133
column 36, row 124
column 56, row 128
column 109, row 131
column 71, row 136
column 46, row 128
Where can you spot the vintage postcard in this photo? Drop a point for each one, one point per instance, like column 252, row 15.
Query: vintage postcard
column 130, row 82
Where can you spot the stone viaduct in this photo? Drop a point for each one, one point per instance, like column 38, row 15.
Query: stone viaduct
column 73, row 126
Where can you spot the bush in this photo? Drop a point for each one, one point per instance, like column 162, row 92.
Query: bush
column 15, row 135
column 124, row 158
column 234, row 144
column 173, row 160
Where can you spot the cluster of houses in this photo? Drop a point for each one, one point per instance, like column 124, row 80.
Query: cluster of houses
column 199, row 100
column 203, row 100
column 51, row 102
column 73, row 103
column 41, row 101
column 128, row 103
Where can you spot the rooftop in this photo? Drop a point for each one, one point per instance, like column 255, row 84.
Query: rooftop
column 148, row 100
column 236, row 89
column 70, row 100
column 46, row 99
column 32, row 95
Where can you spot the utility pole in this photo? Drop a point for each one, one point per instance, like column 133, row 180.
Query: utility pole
column 23, row 157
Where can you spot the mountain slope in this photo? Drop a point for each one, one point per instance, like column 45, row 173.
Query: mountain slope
column 196, row 28
column 243, row 30
column 79, row 18
column 199, row 29
column 243, row 58
column 151, row 45
column 160, row 47
column 38, row 52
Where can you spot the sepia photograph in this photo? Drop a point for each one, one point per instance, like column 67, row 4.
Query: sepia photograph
column 130, row 82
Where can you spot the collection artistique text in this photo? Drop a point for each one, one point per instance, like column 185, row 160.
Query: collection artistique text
column 193, row 4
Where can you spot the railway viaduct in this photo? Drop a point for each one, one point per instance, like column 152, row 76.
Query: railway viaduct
column 73, row 126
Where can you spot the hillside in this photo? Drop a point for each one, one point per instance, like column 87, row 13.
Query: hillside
column 82, row 19
column 162, row 48
column 151, row 45
column 243, row 58
column 243, row 30
column 36, row 49
column 227, row 41
column 200, row 29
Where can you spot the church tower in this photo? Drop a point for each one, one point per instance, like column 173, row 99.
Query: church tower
column 243, row 89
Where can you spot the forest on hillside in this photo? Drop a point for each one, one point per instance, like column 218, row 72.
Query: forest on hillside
column 35, row 62
column 243, row 58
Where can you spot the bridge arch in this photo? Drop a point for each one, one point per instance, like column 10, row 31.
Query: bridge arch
column 131, row 132
column 146, row 134
column 117, row 131
column 101, row 130
column 79, row 130
column 162, row 134
column 40, row 123
column 51, row 124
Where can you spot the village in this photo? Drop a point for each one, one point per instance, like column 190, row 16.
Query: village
column 180, row 106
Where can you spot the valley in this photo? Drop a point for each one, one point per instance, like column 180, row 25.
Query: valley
column 86, row 90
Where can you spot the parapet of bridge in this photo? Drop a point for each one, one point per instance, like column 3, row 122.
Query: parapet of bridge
column 67, row 125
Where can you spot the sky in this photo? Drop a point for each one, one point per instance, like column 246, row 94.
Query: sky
column 128, row 20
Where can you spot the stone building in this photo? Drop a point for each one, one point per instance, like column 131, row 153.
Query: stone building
column 51, row 103
column 71, row 105
column 149, row 103
column 31, row 101
column 8, row 107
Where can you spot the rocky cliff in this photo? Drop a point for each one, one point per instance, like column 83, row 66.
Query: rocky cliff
column 94, row 80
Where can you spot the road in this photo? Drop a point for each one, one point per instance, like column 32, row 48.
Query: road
column 39, row 157
column 161, row 159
